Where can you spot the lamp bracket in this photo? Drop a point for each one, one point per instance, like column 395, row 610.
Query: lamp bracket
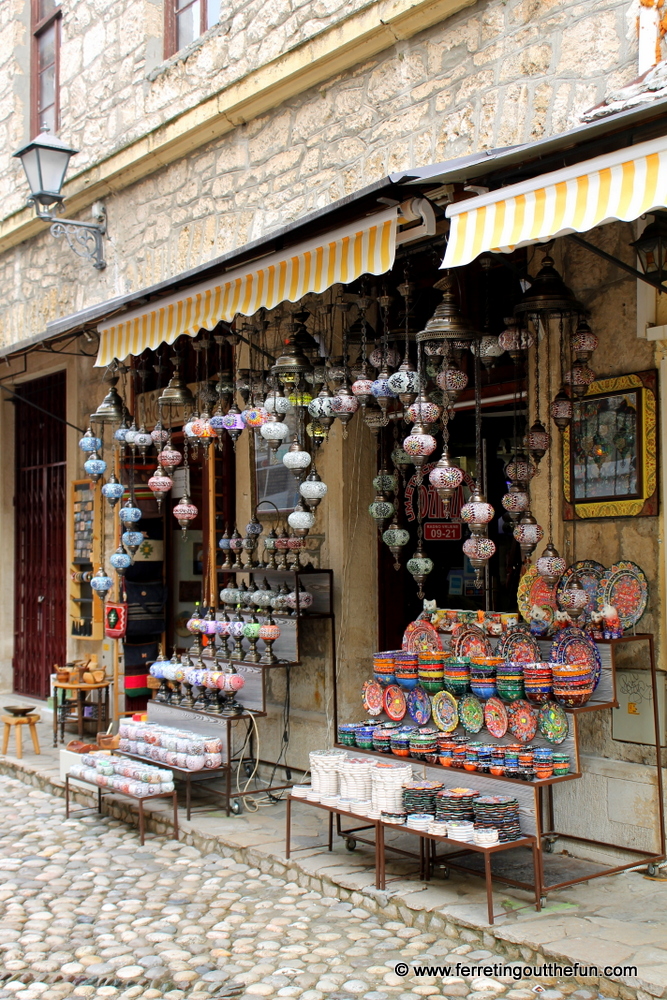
column 654, row 282
column 84, row 238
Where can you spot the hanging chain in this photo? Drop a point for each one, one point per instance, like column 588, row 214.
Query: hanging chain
column 537, row 369
column 406, row 279
column 478, row 421
column 364, row 331
column 385, row 327
column 549, row 450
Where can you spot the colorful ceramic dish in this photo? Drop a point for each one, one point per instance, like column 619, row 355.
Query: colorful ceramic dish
column 420, row 636
column 394, row 702
column 553, row 722
column 471, row 713
column 419, row 705
column 522, row 720
column 373, row 697
column 625, row 587
column 471, row 641
column 533, row 590
column 519, row 646
column 445, row 712
column 589, row 573
column 571, row 645
column 495, row 717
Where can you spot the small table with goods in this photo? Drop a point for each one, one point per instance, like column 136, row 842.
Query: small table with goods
column 61, row 705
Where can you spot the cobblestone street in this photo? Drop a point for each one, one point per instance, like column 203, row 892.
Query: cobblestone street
column 88, row 912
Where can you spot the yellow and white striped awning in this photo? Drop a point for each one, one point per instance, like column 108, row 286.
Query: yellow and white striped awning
column 621, row 185
column 366, row 247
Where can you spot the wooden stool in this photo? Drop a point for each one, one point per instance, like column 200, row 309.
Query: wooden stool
column 17, row 722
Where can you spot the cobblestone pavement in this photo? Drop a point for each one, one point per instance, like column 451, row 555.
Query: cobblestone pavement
column 85, row 911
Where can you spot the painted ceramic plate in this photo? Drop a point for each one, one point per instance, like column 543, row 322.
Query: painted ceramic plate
column 573, row 646
column 589, row 573
column 520, row 646
column 533, row 589
column 471, row 713
column 625, row 587
column 445, row 711
column 553, row 722
column 373, row 697
column 421, row 637
column 419, row 705
column 522, row 720
column 471, row 641
column 495, row 717
column 394, row 702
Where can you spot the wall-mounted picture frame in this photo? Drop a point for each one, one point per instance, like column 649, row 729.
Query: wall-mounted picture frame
column 610, row 456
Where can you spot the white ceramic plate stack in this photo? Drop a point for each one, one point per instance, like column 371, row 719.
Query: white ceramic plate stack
column 461, row 830
column 487, row 837
column 419, row 821
column 355, row 778
column 324, row 770
column 387, row 780
column 300, row 791
column 362, row 808
column 330, row 800
column 438, row 827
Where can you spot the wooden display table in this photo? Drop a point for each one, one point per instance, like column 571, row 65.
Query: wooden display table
column 103, row 790
column 81, row 692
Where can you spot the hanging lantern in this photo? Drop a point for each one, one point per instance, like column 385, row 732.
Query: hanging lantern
column 233, row 423
column 445, row 478
column 380, row 509
column 312, row 489
column 277, row 404
column 132, row 540
column 562, row 409
column 583, row 341
column 651, row 247
column 418, row 445
column 382, row 391
column 551, row 566
column 362, row 387
column 169, row 458
column 120, row 560
column 419, row 567
column 448, row 322
column 574, row 598
column 520, row 470
column 89, row 443
column 395, row 539
column 121, row 432
column 477, row 513
column 176, row 393
column 405, row 383
column 321, row 408
column 423, row 411
column 184, row 512
column 579, row 377
column 479, row 549
column 111, row 409
column 128, row 514
column 344, row 405
column 255, row 416
column 216, row 422
column 101, row 583
column 537, row 441
column 489, row 350
column 384, row 358
column 452, row 381
column 204, row 429
column 130, row 435
column 274, row 433
column 160, row 483
column 112, row 490
column 399, row 458
column 516, row 502
column 301, row 520
column 528, row 534
column 548, row 294
column 94, row 467
column 515, row 339
column 385, row 482
column 159, row 436
column 296, row 460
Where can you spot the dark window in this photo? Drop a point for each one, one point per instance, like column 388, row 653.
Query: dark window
column 45, row 103
column 187, row 20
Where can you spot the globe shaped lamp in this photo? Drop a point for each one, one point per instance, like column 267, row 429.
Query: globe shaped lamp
column 101, row 583
column 418, row 445
column 184, row 512
column 405, row 383
column 419, row 567
column 89, row 443
column 516, row 502
column 551, row 566
column 160, row 484
column 132, row 540
column 574, row 598
column 537, row 441
column 583, row 341
column 562, row 409
column 94, row 467
column 395, row 538
column 169, row 458
column 274, row 433
column 445, row 479
column 380, row 509
column 312, row 489
column 112, row 490
column 120, row 560
column 296, row 460
column 528, row 534
column 477, row 513
column 129, row 514
column 301, row 520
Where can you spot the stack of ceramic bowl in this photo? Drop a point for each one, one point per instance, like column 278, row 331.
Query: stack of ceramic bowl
column 400, row 742
column 446, row 747
column 393, row 818
column 460, row 754
column 509, row 681
column 526, row 761
column 382, row 739
column 512, row 751
column 572, row 684
column 500, row 812
column 323, row 767
column 484, row 757
column 346, row 733
column 462, row 830
column 387, row 780
column 561, row 764
column 456, row 677
column 406, row 669
column 419, row 796
column 419, row 821
column 455, row 804
column 537, row 679
column 431, row 671
column 486, row 836
column 424, row 744
column 543, row 761
column 355, row 778
column 497, row 760
column 364, row 736
column 383, row 667
column 483, row 678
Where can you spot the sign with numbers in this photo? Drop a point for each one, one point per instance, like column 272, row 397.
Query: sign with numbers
column 442, row 531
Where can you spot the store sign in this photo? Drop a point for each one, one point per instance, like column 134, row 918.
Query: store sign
column 442, row 531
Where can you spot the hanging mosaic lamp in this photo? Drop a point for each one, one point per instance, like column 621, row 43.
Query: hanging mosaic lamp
column 537, row 441
column 383, row 357
column 399, row 458
column 301, row 520
column 255, row 416
column 169, row 458
column 312, row 489
column 381, row 509
column 130, row 434
column 362, row 387
column 321, row 408
column 132, row 540
column 90, row 443
column 516, row 502
column 344, row 405
column 160, row 484
column 385, row 482
column 528, row 534
column 445, row 479
column 129, row 514
column 159, row 436
column 574, row 598
column 405, row 383
column 520, row 470
column 477, row 513
column 479, row 549
column 94, row 467
column 419, row 567
column 579, row 377
column 551, row 566
column 101, row 583
column 515, row 339
column 452, row 381
column 142, row 441
column 296, row 460
column 121, row 432
column 120, row 560
column 448, row 322
column 112, row 490
column 583, row 341
column 184, row 512
column 382, row 391
column 395, row 538
column 423, row 411
column 274, row 432
column 562, row 409
column 233, row 423
column 489, row 350
column 418, row 445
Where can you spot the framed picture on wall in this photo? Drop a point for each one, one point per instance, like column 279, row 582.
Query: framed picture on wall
column 610, row 460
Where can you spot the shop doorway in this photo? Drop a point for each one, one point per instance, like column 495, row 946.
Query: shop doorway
column 39, row 503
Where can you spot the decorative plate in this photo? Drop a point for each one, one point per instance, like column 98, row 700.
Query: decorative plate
column 495, row 717
column 471, row 641
column 625, row 587
column 553, row 722
column 421, row 637
column 533, row 589
column 394, row 702
column 471, row 713
column 589, row 573
column 445, row 711
column 522, row 720
column 373, row 697
column 419, row 705
column 573, row 646
column 520, row 646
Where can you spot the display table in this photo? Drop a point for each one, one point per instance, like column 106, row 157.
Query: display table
column 128, row 795
column 81, row 691
column 183, row 774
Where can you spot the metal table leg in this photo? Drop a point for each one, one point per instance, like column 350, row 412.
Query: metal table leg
column 489, row 887
column 55, row 716
column 288, row 827
column 331, row 815
column 67, row 796
column 141, row 822
column 175, row 803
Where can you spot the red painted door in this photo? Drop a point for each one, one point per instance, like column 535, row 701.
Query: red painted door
column 39, row 505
